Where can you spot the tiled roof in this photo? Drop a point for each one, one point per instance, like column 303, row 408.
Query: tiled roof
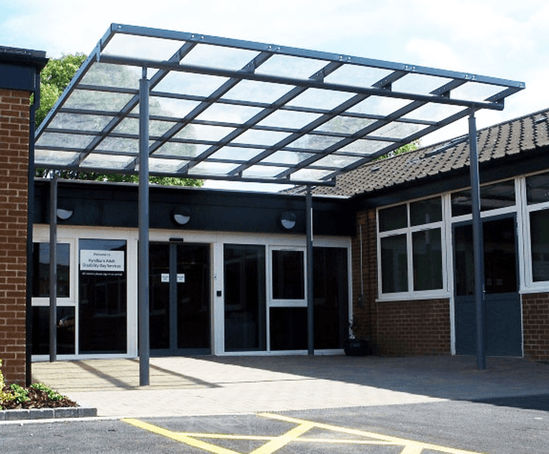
column 505, row 139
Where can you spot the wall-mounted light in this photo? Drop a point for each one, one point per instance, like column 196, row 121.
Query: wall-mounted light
column 63, row 214
column 181, row 215
column 288, row 220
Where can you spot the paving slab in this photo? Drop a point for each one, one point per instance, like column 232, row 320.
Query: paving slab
column 186, row 386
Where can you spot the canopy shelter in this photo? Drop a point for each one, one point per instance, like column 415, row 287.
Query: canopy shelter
column 161, row 102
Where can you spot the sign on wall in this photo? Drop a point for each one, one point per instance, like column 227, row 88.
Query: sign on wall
column 102, row 261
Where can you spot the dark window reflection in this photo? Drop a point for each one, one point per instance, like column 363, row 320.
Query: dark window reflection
column 393, row 218
column 289, row 328
column 245, row 314
column 539, row 233
column 64, row 330
column 41, row 265
column 103, row 296
column 394, row 264
column 537, row 188
column 492, row 197
column 288, row 275
column 331, row 297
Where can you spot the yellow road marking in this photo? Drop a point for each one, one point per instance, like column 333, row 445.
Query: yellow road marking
column 410, row 446
column 274, row 443
column 182, row 438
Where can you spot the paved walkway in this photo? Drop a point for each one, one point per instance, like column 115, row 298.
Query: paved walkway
column 183, row 386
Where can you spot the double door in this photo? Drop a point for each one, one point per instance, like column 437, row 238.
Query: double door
column 502, row 301
column 179, row 298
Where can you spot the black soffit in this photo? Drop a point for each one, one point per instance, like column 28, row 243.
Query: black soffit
column 237, row 110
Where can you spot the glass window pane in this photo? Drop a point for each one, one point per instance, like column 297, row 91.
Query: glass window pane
column 492, row 197
column 394, row 268
column 393, row 218
column 41, row 264
column 537, row 188
column 331, row 300
column 427, row 259
column 41, row 330
column 245, row 298
column 539, row 234
column 288, row 275
column 426, row 211
column 103, row 300
column 288, row 328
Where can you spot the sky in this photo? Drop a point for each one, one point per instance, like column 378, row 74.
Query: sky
column 498, row 38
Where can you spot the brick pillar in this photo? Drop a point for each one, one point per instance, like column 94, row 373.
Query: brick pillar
column 14, row 159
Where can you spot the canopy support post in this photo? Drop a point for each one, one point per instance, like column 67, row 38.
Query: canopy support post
column 53, row 267
column 143, row 259
column 478, row 247
column 310, row 276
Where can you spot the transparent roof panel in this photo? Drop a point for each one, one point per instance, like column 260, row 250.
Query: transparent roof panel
column 357, row 75
column 291, row 67
column 289, row 119
column 204, row 132
column 263, row 138
column 97, row 100
column 104, row 75
column 80, row 122
column 236, row 109
column 105, row 161
column 236, row 154
column 190, row 84
column 222, row 57
column 262, row 92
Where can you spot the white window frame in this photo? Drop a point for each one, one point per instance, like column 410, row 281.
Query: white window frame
column 412, row 294
column 528, row 285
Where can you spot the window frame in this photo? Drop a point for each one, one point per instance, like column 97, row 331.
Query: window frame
column 408, row 231
column 527, row 283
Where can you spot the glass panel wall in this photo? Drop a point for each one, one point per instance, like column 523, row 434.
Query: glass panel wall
column 492, row 197
column 41, row 265
column 65, row 330
column 103, row 296
column 288, row 275
column 331, row 297
column 245, row 298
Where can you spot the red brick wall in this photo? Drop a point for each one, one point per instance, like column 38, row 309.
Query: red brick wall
column 394, row 328
column 535, row 320
column 14, row 155
column 407, row 328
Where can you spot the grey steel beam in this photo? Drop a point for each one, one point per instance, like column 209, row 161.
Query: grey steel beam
column 53, row 268
column 478, row 247
column 143, row 259
column 310, row 274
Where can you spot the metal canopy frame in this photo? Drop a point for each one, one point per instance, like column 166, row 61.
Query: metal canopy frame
column 158, row 102
column 238, row 110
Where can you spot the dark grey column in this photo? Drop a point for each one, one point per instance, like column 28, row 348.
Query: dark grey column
column 310, row 299
column 478, row 247
column 53, row 267
column 143, row 259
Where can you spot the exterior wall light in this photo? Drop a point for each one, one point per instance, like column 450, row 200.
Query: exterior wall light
column 63, row 214
column 288, row 220
column 181, row 215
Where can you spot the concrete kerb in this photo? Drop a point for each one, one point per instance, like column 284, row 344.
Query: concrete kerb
column 47, row 413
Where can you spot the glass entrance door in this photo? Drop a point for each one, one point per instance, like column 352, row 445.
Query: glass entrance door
column 179, row 298
column 503, row 314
